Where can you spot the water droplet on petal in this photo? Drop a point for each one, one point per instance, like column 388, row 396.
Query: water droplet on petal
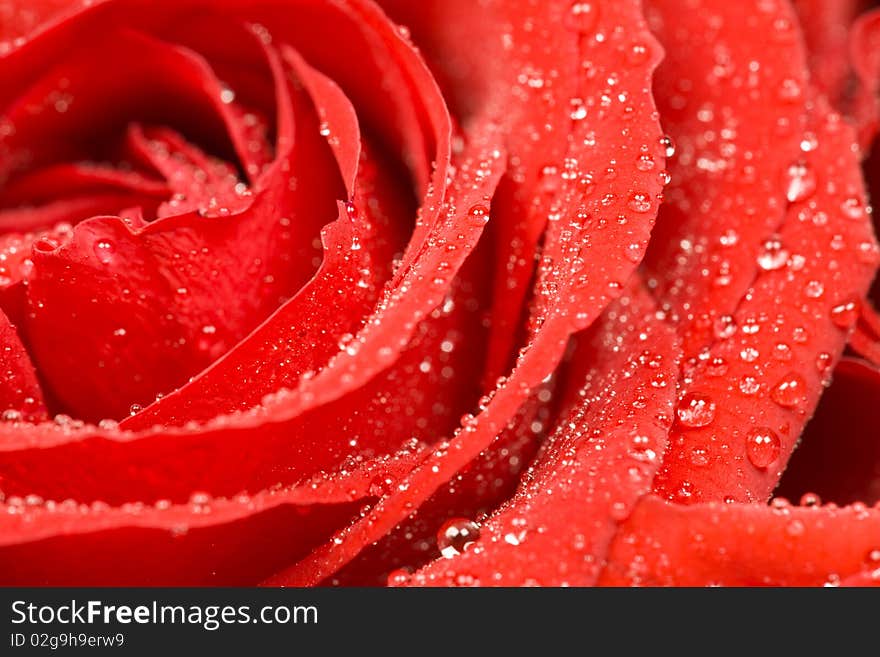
column 667, row 145
column 724, row 327
column 695, row 410
column 762, row 447
column 749, row 385
column 717, row 366
column 104, row 251
column 853, row 208
column 639, row 202
column 699, row 456
column 790, row 90
column 638, row 53
column 814, row 289
column 398, row 577
column 455, row 535
column 810, row 499
column 749, row 354
column 479, row 214
column 800, row 182
column 645, row 162
column 773, row 256
column 582, row 17
column 845, row 314
column 789, row 391
column 795, row 528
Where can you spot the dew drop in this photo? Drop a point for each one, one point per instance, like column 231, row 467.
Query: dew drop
column 800, row 182
column 790, row 90
column 699, row 456
column 645, row 162
column 479, row 215
column 695, row 410
column 814, row 289
column 667, row 145
column 639, row 202
column 781, row 351
column 845, row 314
column 809, row 142
column 104, row 251
column 641, row 449
column 717, row 366
column 810, row 499
column 749, row 385
column 772, row 256
column 455, row 535
column 789, row 391
column 853, row 208
column 824, row 361
column 724, row 327
column 582, row 17
column 749, row 354
column 199, row 501
column 762, row 447
column 398, row 577
column 795, row 528
column 633, row 252
column 638, row 53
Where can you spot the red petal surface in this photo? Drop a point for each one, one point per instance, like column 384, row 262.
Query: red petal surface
column 165, row 461
column 20, row 395
column 593, row 469
column 761, row 382
column 582, row 266
column 838, row 458
column 865, row 55
column 865, row 340
column 327, row 427
column 18, row 20
column 203, row 541
column 474, row 67
column 743, row 545
column 826, row 25
column 734, row 108
column 476, row 491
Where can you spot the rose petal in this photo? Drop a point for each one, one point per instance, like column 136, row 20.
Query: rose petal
column 864, row 48
column 731, row 96
column 470, row 59
column 20, row 394
column 66, row 180
column 18, row 20
column 593, row 469
column 759, row 385
column 742, row 545
column 358, row 250
column 578, row 277
column 826, row 26
column 187, row 263
column 865, row 340
column 482, row 486
column 203, row 541
column 272, row 455
column 838, row 458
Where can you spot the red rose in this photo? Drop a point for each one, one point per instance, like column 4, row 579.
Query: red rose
column 293, row 294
